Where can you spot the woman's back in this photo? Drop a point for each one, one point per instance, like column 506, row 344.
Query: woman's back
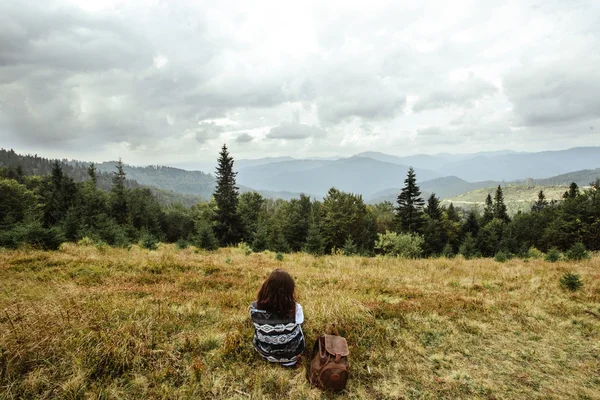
column 277, row 338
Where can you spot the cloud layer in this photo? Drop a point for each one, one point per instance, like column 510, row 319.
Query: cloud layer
column 166, row 82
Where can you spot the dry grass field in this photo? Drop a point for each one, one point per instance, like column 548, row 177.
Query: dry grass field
column 107, row 323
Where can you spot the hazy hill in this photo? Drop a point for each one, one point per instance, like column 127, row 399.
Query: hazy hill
column 444, row 187
column 35, row 165
column 475, row 170
column 177, row 180
column 417, row 161
column 355, row 174
column 502, row 165
column 245, row 163
column 581, row 178
column 518, row 197
column 168, row 178
column 540, row 165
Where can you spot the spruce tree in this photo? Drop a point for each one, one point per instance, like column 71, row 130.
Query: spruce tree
column 488, row 210
column 540, row 203
column 228, row 227
column 500, row 211
column 433, row 209
column 572, row 192
column 409, row 211
column 260, row 238
column 93, row 174
column 452, row 214
column 118, row 201
column 57, row 175
column 471, row 224
column 54, row 198
column 315, row 244
column 349, row 248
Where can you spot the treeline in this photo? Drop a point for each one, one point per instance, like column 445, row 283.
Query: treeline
column 18, row 165
column 47, row 210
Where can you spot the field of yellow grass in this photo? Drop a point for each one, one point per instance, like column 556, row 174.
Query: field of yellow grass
column 109, row 323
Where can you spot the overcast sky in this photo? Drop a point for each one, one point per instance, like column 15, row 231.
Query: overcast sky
column 168, row 82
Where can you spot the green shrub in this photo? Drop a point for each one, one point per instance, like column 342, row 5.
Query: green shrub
column 501, row 257
column 534, row 253
column 205, row 239
column 260, row 241
column 468, row 249
column 182, row 244
column 571, row 281
column 86, row 241
column 148, row 241
column 448, row 251
column 577, row 252
column 402, row 245
column 553, row 255
column 279, row 257
column 32, row 234
column 349, row 248
column 245, row 248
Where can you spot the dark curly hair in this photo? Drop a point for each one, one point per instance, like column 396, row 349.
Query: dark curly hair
column 277, row 294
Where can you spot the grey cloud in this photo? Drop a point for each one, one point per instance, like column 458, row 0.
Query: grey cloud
column 460, row 94
column 69, row 76
column 207, row 131
column 295, row 131
column 244, row 138
column 430, row 131
column 343, row 94
column 437, row 135
column 555, row 94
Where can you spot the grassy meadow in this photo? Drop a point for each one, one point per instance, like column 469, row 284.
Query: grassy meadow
column 103, row 323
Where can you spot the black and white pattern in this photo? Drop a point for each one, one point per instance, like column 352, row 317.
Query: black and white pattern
column 277, row 339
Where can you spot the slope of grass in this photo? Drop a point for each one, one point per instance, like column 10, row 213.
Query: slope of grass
column 115, row 323
column 516, row 196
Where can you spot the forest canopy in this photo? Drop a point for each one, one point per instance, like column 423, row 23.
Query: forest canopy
column 44, row 203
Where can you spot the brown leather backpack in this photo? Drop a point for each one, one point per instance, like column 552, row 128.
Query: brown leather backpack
column 329, row 365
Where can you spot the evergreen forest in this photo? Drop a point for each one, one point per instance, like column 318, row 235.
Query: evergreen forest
column 44, row 203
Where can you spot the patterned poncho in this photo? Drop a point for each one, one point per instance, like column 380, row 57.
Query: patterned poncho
column 278, row 339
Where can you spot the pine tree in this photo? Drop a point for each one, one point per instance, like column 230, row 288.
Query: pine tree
column 93, row 174
column 349, row 248
column 56, row 175
column 228, row 227
column 500, row 211
column 541, row 202
column 260, row 241
column 409, row 211
column 315, row 244
column 488, row 210
column 118, row 194
column 433, row 209
column 205, row 239
column 572, row 192
column 59, row 194
column 452, row 214
column 471, row 224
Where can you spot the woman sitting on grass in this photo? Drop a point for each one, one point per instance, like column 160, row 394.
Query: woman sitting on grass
column 277, row 317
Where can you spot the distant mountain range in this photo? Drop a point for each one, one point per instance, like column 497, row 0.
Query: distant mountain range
column 177, row 180
column 377, row 176
column 374, row 174
column 355, row 174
